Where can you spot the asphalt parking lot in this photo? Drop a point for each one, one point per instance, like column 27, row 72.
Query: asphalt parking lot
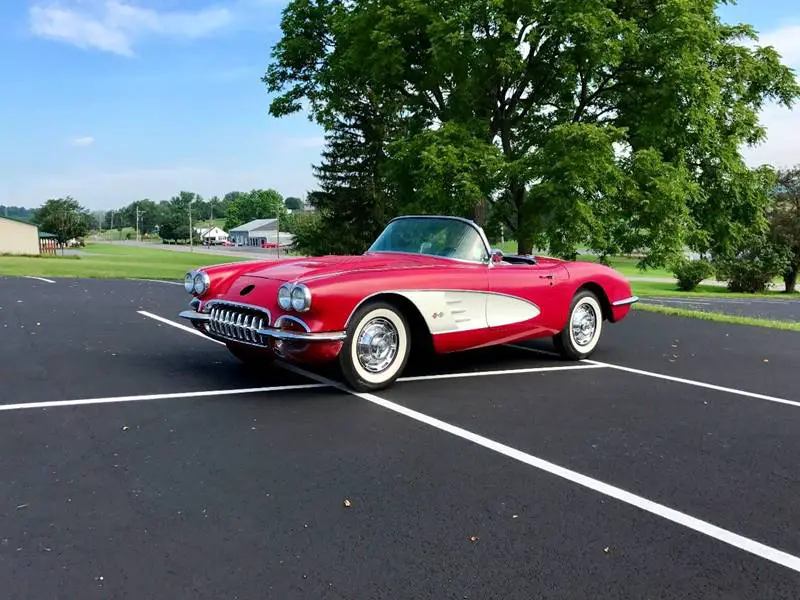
column 141, row 461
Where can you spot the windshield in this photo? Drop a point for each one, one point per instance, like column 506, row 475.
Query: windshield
column 434, row 236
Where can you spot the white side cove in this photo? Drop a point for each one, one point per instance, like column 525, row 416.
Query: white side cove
column 507, row 310
column 448, row 311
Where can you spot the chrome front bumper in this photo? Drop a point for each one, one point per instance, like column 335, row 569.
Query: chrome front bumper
column 226, row 322
column 626, row 301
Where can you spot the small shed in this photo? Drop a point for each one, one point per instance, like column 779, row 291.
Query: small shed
column 18, row 237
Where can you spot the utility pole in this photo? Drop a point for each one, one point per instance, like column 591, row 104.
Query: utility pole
column 137, row 223
column 191, row 232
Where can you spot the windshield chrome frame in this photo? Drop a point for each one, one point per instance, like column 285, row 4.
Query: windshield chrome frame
column 477, row 228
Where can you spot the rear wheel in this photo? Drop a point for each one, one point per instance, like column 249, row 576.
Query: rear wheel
column 580, row 337
column 377, row 347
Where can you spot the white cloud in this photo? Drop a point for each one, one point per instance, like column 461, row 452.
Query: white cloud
column 786, row 40
column 116, row 25
column 81, row 142
column 782, row 145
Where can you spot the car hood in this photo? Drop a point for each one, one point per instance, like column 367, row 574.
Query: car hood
column 323, row 266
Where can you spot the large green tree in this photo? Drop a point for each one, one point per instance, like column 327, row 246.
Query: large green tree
column 612, row 124
column 255, row 204
column 65, row 218
column 784, row 217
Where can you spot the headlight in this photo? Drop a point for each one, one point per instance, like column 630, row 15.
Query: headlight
column 301, row 298
column 285, row 297
column 201, row 283
column 188, row 282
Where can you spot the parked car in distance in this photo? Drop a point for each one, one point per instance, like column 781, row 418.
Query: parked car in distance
column 427, row 284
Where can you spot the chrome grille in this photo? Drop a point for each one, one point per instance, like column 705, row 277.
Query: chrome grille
column 238, row 322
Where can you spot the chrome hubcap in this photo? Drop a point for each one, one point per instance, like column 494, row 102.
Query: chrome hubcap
column 376, row 346
column 584, row 323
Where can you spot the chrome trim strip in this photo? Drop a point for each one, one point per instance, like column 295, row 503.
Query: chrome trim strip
column 212, row 303
column 226, row 324
column 625, row 301
column 323, row 336
column 293, row 319
column 194, row 316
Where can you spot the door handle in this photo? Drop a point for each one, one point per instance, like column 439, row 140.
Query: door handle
column 545, row 276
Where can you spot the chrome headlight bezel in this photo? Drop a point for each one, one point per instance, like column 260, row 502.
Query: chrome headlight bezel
column 294, row 297
column 188, row 282
column 285, row 296
column 201, row 283
column 301, row 298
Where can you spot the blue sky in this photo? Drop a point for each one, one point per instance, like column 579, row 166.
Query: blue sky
column 116, row 100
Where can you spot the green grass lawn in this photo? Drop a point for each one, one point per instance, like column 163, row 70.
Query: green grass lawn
column 647, row 288
column 112, row 261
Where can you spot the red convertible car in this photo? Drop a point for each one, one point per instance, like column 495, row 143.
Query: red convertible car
column 427, row 283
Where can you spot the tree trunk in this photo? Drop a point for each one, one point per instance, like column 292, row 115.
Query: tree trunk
column 524, row 245
column 790, row 280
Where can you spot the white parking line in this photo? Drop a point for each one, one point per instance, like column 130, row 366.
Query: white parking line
column 738, row 541
column 145, row 397
column 702, row 384
column 39, row 278
column 500, row 372
column 157, row 281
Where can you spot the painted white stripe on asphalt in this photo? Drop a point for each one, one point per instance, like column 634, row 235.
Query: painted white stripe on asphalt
column 724, row 535
column 146, row 397
column 738, row 541
column 500, row 372
column 710, row 386
column 39, row 278
column 157, row 281
column 178, row 325
column 693, row 382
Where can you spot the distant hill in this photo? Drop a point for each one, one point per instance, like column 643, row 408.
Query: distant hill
column 16, row 212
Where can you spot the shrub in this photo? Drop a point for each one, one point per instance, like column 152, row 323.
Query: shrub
column 752, row 268
column 690, row 273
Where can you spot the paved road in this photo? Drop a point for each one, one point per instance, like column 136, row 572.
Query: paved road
column 241, row 495
column 779, row 309
column 240, row 251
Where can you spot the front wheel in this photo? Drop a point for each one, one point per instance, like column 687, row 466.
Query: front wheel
column 579, row 338
column 377, row 347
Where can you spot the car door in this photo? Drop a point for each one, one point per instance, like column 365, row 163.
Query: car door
column 527, row 299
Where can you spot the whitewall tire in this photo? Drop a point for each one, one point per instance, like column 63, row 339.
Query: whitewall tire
column 377, row 347
column 579, row 339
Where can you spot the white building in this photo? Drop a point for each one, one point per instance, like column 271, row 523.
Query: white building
column 259, row 233
column 211, row 235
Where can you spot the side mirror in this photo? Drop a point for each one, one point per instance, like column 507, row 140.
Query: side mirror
column 497, row 255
